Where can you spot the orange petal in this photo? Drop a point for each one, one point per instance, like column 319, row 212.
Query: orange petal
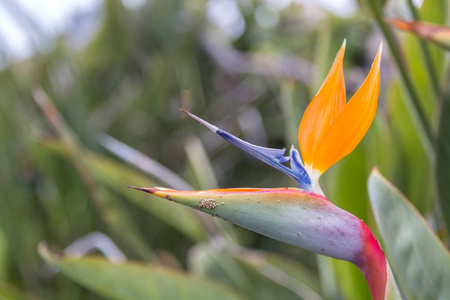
column 348, row 129
column 323, row 109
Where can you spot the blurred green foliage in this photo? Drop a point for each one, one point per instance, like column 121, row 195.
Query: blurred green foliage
column 60, row 180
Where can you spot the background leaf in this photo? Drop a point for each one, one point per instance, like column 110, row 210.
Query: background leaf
column 10, row 293
column 134, row 281
column 419, row 260
column 443, row 159
column 249, row 274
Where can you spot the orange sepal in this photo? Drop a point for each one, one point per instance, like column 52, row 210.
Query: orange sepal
column 352, row 123
column 323, row 109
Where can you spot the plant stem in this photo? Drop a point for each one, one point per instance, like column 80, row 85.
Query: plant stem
column 426, row 54
column 418, row 112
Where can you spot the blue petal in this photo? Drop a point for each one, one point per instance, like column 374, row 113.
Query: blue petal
column 297, row 166
column 270, row 156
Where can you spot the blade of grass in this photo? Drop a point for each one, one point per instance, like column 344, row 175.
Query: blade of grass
column 200, row 164
column 415, row 108
column 288, row 272
column 443, row 160
column 8, row 292
column 203, row 171
column 287, row 103
column 243, row 277
column 327, row 276
column 133, row 280
column 431, row 70
column 143, row 163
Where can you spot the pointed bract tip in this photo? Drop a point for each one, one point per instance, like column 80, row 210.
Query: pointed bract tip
column 341, row 52
column 375, row 170
column 377, row 59
column 147, row 190
column 208, row 125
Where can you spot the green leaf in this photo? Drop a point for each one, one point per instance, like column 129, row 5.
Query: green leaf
column 293, row 268
column 200, row 163
column 249, row 274
column 135, row 281
column 8, row 292
column 443, row 160
column 4, row 257
column 392, row 292
column 418, row 258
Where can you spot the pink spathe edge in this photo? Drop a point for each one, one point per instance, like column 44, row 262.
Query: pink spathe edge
column 373, row 265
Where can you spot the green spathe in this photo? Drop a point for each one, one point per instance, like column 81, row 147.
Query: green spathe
column 290, row 215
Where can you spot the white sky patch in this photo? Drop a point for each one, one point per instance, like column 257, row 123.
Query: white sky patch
column 418, row 3
column 133, row 4
column 341, row 8
column 53, row 17
column 226, row 15
column 14, row 43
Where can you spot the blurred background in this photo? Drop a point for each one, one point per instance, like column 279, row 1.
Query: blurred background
column 90, row 93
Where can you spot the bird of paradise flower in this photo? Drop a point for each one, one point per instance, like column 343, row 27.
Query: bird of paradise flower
column 330, row 129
